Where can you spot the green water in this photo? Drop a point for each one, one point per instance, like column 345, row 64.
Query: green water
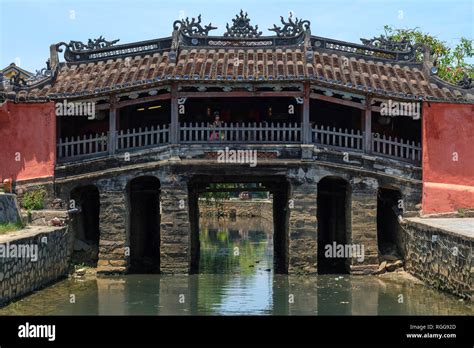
column 236, row 278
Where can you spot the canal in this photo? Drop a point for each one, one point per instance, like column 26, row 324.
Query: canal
column 236, row 277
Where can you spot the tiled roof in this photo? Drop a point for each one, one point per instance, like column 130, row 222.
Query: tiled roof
column 380, row 66
column 207, row 64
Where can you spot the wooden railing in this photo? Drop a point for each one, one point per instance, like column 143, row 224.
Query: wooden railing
column 396, row 148
column 141, row 138
column 233, row 133
column 85, row 146
column 341, row 138
column 261, row 132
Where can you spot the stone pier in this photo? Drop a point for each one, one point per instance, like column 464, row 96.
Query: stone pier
column 113, row 224
column 364, row 224
column 303, row 238
column 175, row 227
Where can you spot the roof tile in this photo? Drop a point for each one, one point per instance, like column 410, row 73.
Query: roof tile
column 243, row 64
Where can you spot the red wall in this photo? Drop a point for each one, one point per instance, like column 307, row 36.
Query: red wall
column 30, row 130
column 448, row 185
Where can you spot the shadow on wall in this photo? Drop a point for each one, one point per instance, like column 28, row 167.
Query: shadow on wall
column 28, row 133
column 85, row 225
column 144, row 201
column 9, row 209
column 448, row 168
column 333, row 202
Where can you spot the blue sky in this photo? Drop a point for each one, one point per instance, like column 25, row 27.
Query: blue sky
column 28, row 27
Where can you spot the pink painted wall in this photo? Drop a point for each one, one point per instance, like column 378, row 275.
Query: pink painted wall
column 27, row 140
column 448, row 131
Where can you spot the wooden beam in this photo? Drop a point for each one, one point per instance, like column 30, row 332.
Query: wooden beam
column 105, row 106
column 112, row 124
column 337, row 101
column 367, row 117
column 306, row 128
column 375, row 108
column 240, row 94
column 137, row 101
column 174, row 128
column 117, row 118
column 58, row 134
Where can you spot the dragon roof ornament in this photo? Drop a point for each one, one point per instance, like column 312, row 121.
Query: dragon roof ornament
column 92, row 44
column 192, row 27
column 291, row 27
column 191, row 32
column 388, row 43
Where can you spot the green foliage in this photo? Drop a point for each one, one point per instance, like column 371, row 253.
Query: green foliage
column 34, row 200
column 451, row 62
column 10, row 227
column 259, row 194
column 218, row 197
column 80, row 265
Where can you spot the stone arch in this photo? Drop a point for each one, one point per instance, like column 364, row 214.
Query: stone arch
column 84, row 208
column 143, row 230
column 334, row 224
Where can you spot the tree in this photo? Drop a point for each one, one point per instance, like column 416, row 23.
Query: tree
column 451, row 62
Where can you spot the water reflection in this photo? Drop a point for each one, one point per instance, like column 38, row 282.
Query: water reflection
column 245, row 285
column 238, row 295
column 229, row 247
column 243, row 246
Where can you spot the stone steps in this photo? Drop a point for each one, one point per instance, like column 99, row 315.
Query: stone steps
column 45, row 217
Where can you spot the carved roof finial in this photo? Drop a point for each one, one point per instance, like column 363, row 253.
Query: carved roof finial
column 241, row 27
column 18, row 81
column 465, row 82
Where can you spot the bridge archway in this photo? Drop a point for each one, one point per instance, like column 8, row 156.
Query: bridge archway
column 276, row 230
column 144, row 224
column 334, row 216
column 85, row 224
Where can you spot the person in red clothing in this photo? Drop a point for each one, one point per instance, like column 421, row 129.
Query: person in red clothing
column 216, row 134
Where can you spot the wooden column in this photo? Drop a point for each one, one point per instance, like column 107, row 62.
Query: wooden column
column 112, row 124
column 306, row 128
column 174, row 128
column 58, row 134
column 367, row 126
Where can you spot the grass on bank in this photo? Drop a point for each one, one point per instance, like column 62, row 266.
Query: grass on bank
column 10, row 227
column 34, row 200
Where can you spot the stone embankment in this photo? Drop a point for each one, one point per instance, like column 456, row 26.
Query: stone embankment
column 33, row 256
column 241, row 208
column 439, row 252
